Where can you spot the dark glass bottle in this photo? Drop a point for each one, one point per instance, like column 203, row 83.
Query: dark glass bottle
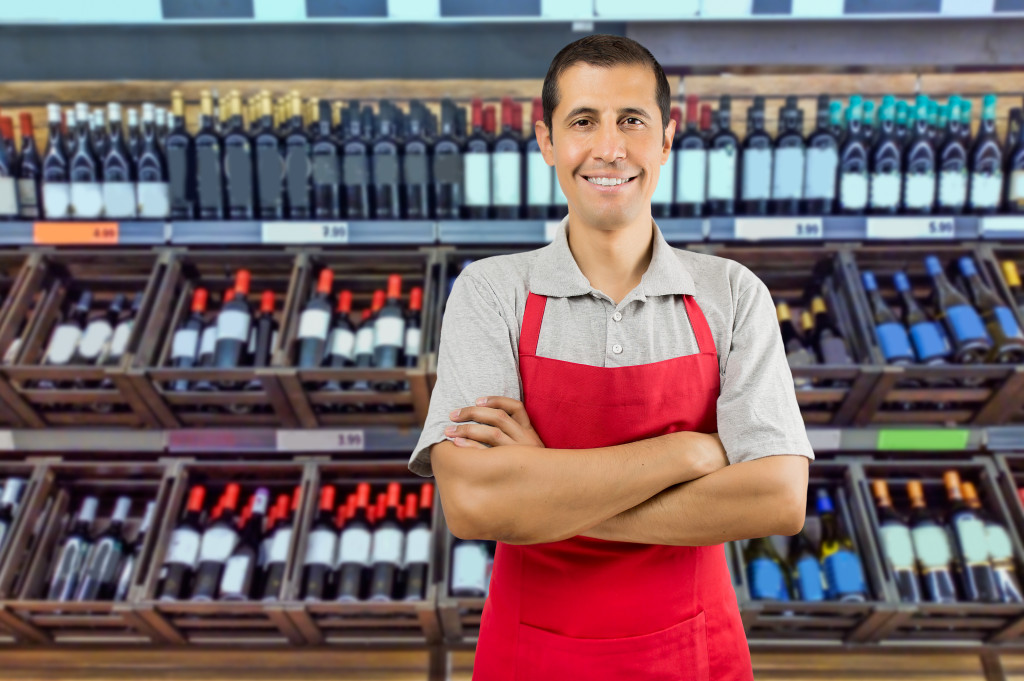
column 8, row 171
column 239, row 180
column 299, row 165
column 822, row 163
column 239, row 578
column 413, row 330
column 952, row 162
column 153, row 190
column 315, row 324
column 1000, row 322
column 539, row 175
column 919, row 163
column 690, row 150
column 30, row 169
column 476, row 165
column 185, row 343
column 757, row 163
column 892, row 336
column 119, row 197
column 218, row 543
column 416, row 152
column 1000, row 548
column 100, row 572
column 352, row 574
column 977, row 575
column 182, row 555
column 965, row 328
column 389, row 333
column 886, row 163
column 902, row 122
column 507, row 166
column 181, row 163
column 321, row 549
column 790, row 161
column 72, row 554
column 448, row 166
column 854, row 179
column 134, row 134
column 270, row 167
column 1015, row 165
column 843, row 572
column 932, row 548
column 209, row 178
column 897, row 545
column 986, row 162
column 84, row 170
column 418, row 540
column 233, row 324
column 723, row 163
column 388, row 540
column 326, row 164
column 827, row 341
column 356, row 168
column 926, row 336
column 387, row 168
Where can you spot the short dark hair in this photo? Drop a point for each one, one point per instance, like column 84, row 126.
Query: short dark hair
column 607, row 51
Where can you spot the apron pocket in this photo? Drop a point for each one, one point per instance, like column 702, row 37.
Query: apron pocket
column 678, row 653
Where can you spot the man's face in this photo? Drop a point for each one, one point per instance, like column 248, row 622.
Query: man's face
column 606, row 129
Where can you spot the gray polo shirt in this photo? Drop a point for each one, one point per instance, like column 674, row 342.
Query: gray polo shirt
column 479, row 350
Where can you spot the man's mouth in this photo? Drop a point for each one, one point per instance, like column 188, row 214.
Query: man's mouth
column 609, row 181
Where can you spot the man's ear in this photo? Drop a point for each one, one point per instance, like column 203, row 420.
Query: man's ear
column 666, row 145
column 544, row 140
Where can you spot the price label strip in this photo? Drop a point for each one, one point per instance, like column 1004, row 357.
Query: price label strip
column 1003, row 226
column 762, row 229
column 911, row 228
column 75, row 233
column 339, row 440
column 330, row 233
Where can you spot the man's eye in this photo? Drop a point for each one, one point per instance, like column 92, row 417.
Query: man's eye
column 583, row 121
column 634, row 121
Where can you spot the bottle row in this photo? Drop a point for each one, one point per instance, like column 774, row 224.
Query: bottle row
column 321, row 160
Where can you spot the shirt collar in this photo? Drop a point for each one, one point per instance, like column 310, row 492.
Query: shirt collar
column 555, row 272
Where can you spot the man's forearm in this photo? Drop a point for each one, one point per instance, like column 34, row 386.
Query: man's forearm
column 530, row 495
column 752, row 499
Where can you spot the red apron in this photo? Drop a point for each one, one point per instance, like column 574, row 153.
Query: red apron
column 599, row 610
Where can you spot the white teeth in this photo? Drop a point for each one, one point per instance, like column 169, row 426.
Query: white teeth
column 606, row 181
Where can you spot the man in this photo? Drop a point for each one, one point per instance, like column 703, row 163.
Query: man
column 658, row 418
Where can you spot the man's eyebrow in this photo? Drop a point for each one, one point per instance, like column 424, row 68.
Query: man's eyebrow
column 587, row 110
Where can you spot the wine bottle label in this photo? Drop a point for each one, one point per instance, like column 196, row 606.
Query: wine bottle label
column 1016, row 185
column 208, row 184
column 971, row 533
column 953, row 188
column 505, row 177
column 269, row 173
column 326, row 170
column 417, row 546
column 86, row 199
column 27, row 200
column 387, row 545
column 154, row 200
column 119, row 200
column 218, row 544
column 8, row 196
column 469, row 566
column 232, row 582
column 722, row 174
column 385, row 169
column 1007, row 322
column 844, row 576
column 417, row 169
column 928, row 343
column 966, row 323
column 538, row 180
column 476, row 171
column 12, row 351
column 56, row 200
column 389, row 331
column 666, row 184
column 448, row 169
column 691, row 176
column 238, row 175
column 757, row 174
column 119, row 343
column 233, row 325
column 343, row 343
column 931, row 546
column 279, row 546
column 364, row 340
column 355, row 169
column 898, row 546
column 853, row 191
column 1000, row 548
column 885, row 190
column 314, row 324
column 208, row 341
column 354, row 546
column 298, row 172
column 919, row 192
column 788, row 177
column 321, row 547
column 184, row 547
column 819, row 178
column 412, row 341
column 178, row 173
column 559, row 195
column 809, row 579
column 893, row 341
column 766, row 580
column 986, row 189
column 94, row 339
column 63, row 344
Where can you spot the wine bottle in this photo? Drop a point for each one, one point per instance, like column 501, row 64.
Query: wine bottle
column 298, row 164
column 411, row 353
column 30, row 170
column 353, row 562
column 270, row 165
column 209, row 162
column 927, row 337
column 119, row 198
column 1000, row 548
column 691, row 164
column 476, row 168
column 66, row 336
column 8, row 172
column 118, row 345
column 185, row 343
column 388, row 541
column 953, row 176
column 98, row 580
column 448, row 167
column 1015, row 163
column 218, row 543
column 854, row 178
column 767, row 572
column 267, row 542
column 844, row 575
column 757, row 162
column 827, row 341
column 239, row 180
column 897, row 545
column 342, row 342
column 93, row 344
column 1000, row 322
column 723, row 156
column 277, row 558
column 321, row 547
column 871, row 132
column 134, row 136
column 386, row 168
column 886, row 163
column 962, row 322
column 326, row 175
column 181, row 559
column 976, row 573
column 238, row 580
column 415, row 160
column 9, row 500
column 1013, row 282
column 418, row 540
column 539, row 175
column 903, row 122
column 355, row 165
column 73, row 552
column 315, row 323
column 153, row 189
column 893, row 340
column 919, row 162
column 790, row 161
column 806, row 578
column 264, row 335
column 932, row 548
column 986, row 163
column 389, row 334
column 181, row 163
column 233, row 324
column 365, row 337
column 797, row 353
column 822, row 163
column 84, row 170
column 131, row 555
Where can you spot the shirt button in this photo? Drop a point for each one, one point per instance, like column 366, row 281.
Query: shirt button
column 617, row 316
column 617, row 348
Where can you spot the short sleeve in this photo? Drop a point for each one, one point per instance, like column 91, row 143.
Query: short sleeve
column 476, row 358
column 758, row 414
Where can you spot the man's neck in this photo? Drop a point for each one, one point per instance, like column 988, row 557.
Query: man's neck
column 613, row 261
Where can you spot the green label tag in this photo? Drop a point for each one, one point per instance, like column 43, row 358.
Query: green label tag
column 919, row 439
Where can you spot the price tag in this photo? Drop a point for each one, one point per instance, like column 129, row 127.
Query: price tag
column 551, row 229
column 304, row 232
column 757, row 229
column 911, row 228
column 340, row 440
column 75, row 233
column 6, row 440
column 1004, row 224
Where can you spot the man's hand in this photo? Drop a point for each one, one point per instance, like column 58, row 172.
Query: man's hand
column 499, row 421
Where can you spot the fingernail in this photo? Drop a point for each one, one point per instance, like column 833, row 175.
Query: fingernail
column 450, row 430
column 481, row 401
column 455, row 413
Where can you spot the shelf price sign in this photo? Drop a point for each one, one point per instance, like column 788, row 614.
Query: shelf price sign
column 1002, row 226
column 336, row 440
column 326, row 233
column 761, row 229
column 911, row 228
column 76, row 233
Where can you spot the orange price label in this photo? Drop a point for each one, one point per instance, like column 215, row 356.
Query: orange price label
column 75, row 233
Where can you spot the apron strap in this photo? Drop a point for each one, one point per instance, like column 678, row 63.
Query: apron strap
column 532, row 317
column 705, row 341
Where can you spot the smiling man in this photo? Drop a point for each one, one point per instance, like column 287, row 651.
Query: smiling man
column 611, row 410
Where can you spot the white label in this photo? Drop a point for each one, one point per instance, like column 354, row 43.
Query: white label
column 343, row 342
column 819, row 179
column 27, row 198
column 12, row 351
column 920, row 190
column 233, row 325
column 853, row 191
column 86, row 199
column 184, row 547
column 218, row 544
column 96, row 335
column 931, row 546
column 354, row 546
column 885, row 190
column 63, row 344
column 788, row 177
column 364, row 340
column 233, row 580
column 910, row 228
column 757, row 174
column 722, row 174
column 476, row 174
column 666, row 183
column 999, row 545
column 898, row 546
column 551, row 228
column 154, row 199
column 119, row 200
column 538, row 180
column 953, row 187
column 691, row 176
column 321, row 547
column 387, row 545
column 389, row 331
column 321, row 440
column 119, row 343
column 208, row 343
column 985, row 190
column 56, row 199
column 279, row 546
column 469, row 566
column 417, row 546
column 971, row 533
column 505, row 177
column 314, row 324
column 412, row 341
column 8, row 196
column 304, row 232
column 754, row 229
column 1017, row 185
column 1002, row 223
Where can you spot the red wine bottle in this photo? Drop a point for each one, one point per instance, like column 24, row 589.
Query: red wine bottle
column 507, row 166
column 270, row 167
column 99, row 574
column 691, row 163
column 56, row 187
column 448, row 166
column 315, row 323
column 365, row 338
column 233, row 324
column 723, row 152
column 238, row 579
column 321, row 548
column 539, row 175
column 267, row 541
column 476, row 169
column 416, row 166
column 417, row 543
column 277, row 560
column 263, row 337
column 388, row 541
column 182, row 555
column 342, row 343
column 218, row 543
column 30, row 168
column 389, row 334
column 71, row 556
column 299, row 165
column 356, row 168
column 413, row 325
column 132, row 552
column 354, row 546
